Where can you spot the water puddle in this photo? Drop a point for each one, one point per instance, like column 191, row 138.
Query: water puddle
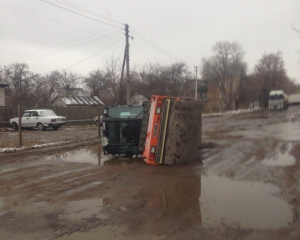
column 247, row 204
column 280, row 156
column 92, row 154
column 84, row 209
column 211, row 200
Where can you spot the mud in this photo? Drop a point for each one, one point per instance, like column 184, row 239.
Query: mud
column 245, row 187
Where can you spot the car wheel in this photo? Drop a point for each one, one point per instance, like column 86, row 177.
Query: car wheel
column 55, row 128
column 14, row 126
column 41, row 127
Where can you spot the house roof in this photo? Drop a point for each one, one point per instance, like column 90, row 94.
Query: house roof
column 82, row 100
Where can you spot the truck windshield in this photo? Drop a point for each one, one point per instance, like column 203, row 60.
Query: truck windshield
column 125, row 112
column 276, row 96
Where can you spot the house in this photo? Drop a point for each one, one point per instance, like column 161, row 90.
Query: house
column 2, row 94
column 77, row 101
column 74, row 97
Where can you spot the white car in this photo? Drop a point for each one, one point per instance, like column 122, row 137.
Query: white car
column 39, row 118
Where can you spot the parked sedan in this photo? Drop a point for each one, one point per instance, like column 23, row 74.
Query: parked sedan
column 39, row 118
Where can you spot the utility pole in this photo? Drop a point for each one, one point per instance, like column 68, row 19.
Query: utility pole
column 127, row 65
column 196, row 85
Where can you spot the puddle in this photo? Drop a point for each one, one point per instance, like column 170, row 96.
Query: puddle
column 78, row 210
column 211, row 200
column 247, row 204
column 94, row 155
column 280, row 156
column 91, row 154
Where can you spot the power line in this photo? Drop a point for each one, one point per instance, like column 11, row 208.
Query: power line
column 59, row 51
column 81, row 14
column 92, row 55
column 153, row 45
column 86, row 10
column 40, row 50
column 45, row 18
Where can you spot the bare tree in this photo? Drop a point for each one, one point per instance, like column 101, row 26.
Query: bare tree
column 227, row 69
column 153, row 81
column 20, row 78
column 164, row 80
column 97, row 83
column 271, row 75
column 44, row 91
column 112, row 72
column 176, row 74
column 68, row 82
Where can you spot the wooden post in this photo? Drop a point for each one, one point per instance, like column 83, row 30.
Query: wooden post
column 20, row 126
column 99, row 154
column 99, row 109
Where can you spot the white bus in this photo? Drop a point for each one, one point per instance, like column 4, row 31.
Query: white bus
column 278, row 100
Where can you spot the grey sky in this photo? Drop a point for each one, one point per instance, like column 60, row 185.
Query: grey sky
column 164, row 31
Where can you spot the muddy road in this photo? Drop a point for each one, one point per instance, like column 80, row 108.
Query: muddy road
column 246, row 186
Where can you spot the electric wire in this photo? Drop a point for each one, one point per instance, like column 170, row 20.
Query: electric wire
column 86, row 10
column 134, row 47
column 62, row 50
column 42, row 49
column 65, row 48
column 81, row 15
column 45, row 18
column 153, row 45
column 93, row 54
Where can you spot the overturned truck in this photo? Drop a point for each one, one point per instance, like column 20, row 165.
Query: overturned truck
column 165, row 130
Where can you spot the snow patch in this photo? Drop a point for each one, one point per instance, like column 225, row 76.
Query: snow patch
column 233, row 112
column 13, row 149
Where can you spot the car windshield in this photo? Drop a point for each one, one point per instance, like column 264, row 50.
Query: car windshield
column 47, row 113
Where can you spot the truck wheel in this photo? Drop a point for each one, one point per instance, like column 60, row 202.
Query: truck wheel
column 14, row 126
column 55, row 128
column 41, row 127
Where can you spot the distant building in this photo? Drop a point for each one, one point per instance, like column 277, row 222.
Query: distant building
column 74, row 97
column 2, row 94
column 77, row 101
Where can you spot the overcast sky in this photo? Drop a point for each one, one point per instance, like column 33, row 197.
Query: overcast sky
column 49, row 37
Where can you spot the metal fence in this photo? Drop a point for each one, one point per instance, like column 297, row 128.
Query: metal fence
column 72, row 113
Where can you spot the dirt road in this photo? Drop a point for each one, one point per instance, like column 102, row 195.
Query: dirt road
column 247, row 186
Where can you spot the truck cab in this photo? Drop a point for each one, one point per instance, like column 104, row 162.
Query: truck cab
column 121, row 130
